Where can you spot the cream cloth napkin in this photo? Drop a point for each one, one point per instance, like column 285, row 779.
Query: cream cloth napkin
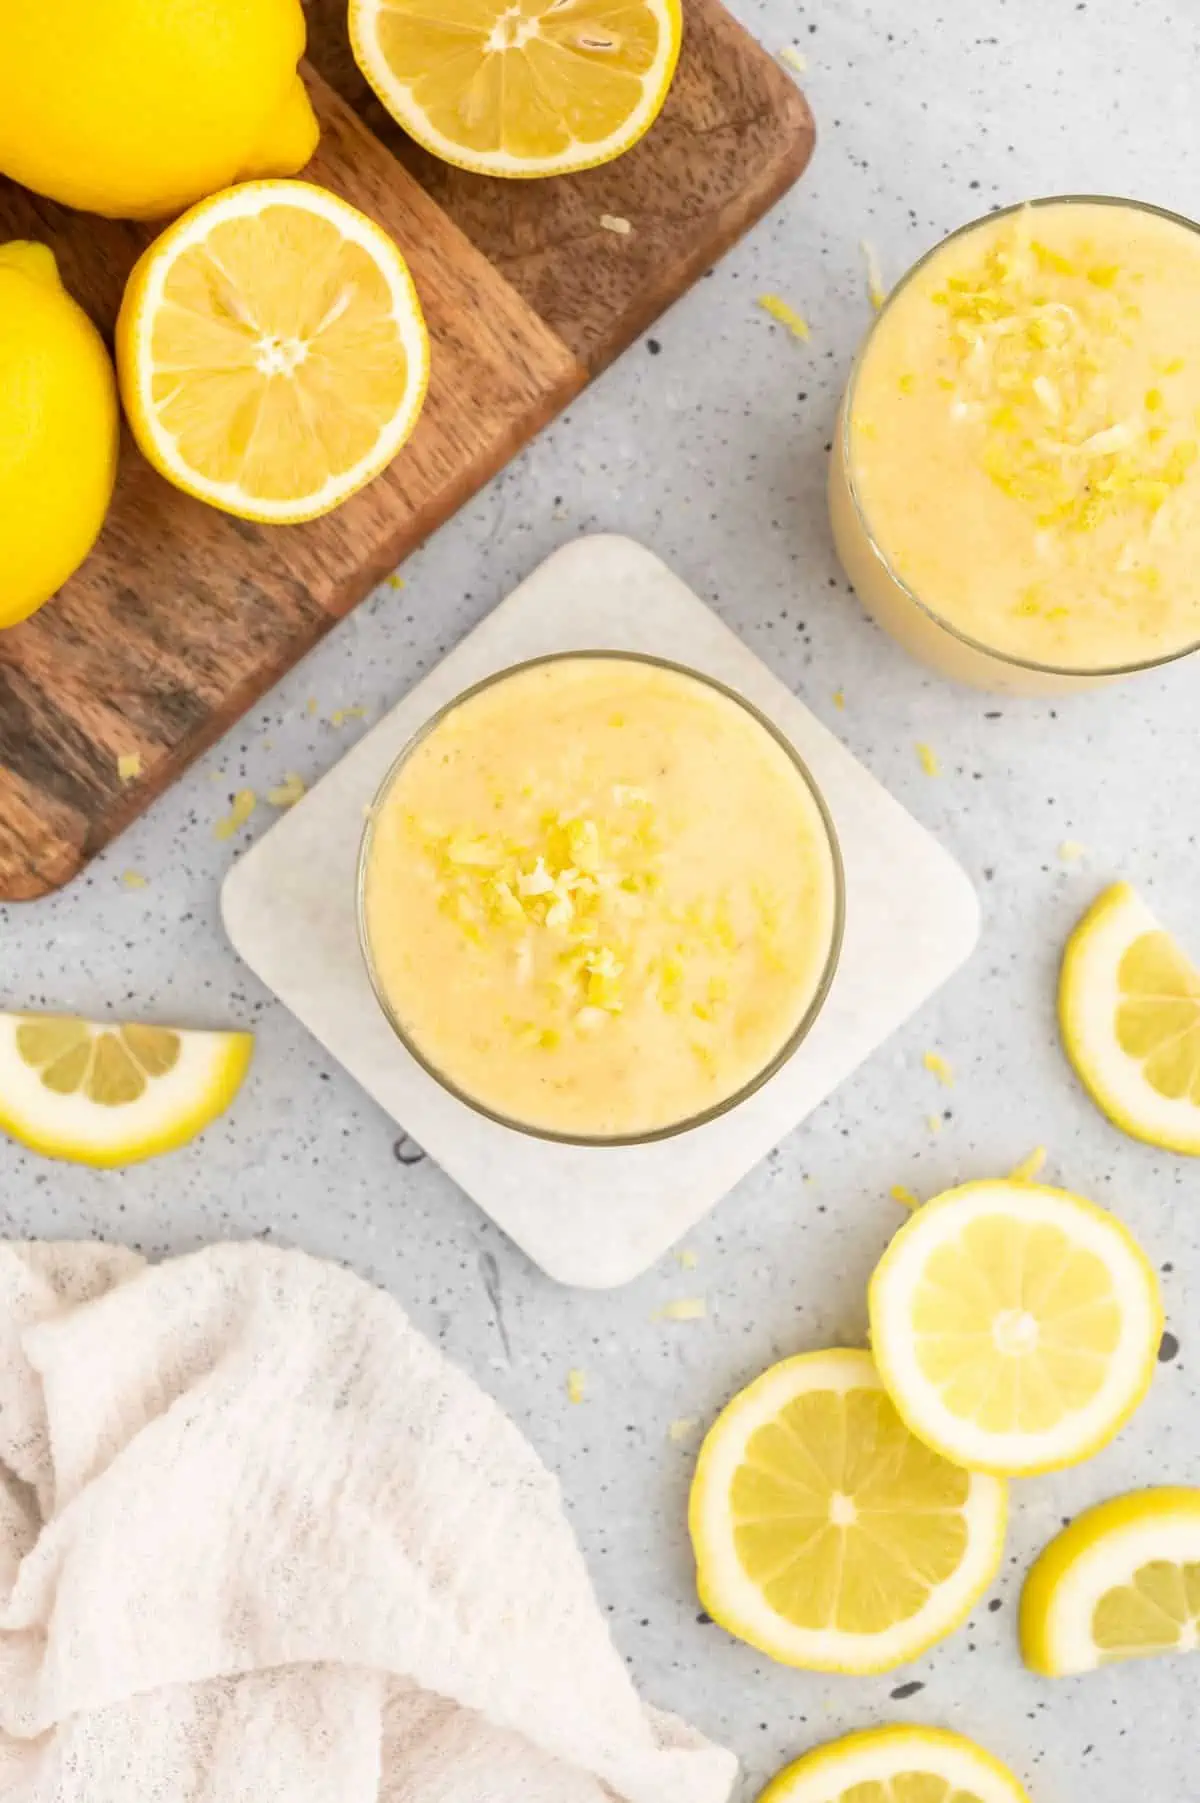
column 261, row 1543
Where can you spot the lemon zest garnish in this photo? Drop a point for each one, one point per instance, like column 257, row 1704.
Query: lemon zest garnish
column 311, row 705
column 686, row 1308
column 576, row 1385
column 687, row 1258
column 876, row 292
column 340, row 715
column 1029, row 1167
column 129, row 765
column 933, row 1061
column 395, row 582
column 795, row 59
column 244, row 804
column 682, row 1429
column 839, row 698
column 778, row 308
column 288, row 792
column 612, row 222
column 907, row 1198
column 928, row 759
column 133, row 879
column 934, row 1123
column 1070, row 851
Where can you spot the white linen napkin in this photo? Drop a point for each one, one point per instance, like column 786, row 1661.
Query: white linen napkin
column 261, row 1543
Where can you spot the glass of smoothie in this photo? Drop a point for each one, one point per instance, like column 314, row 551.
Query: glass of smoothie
column 1015, row 487
column 600, row 898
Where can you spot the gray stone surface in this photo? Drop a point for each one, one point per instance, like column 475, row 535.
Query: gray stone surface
column 707, row 442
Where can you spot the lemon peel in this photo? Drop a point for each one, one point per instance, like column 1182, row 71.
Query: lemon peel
column 287, row 793
column 940, row 1068
column 906, row 1197
column 244, row 804
column 576, row 1385
column 786, row 315
column 1029, row 1167
column 928, row 759
column 685, row 1308
column 613, row 222
column 795, row 59
column 129, row 766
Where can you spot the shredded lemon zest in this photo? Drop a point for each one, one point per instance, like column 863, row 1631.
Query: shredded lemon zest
column 612, row 222
column 795, row 59
column 933, row 1061
column 934, row 1123
column 687, row 1258
column 1029, row 1167
column 340, row 715
column 133, row 879
column 906, row 1197
column 244, row 804
column 129, row 765
column 396, row 582
column 928, row 759
column 779, row 309
column 576, row 1385
column 287, row 793
column 876, row 291
column 311, row 705
column 1071, row 851
column 682, row 1429
column 839, row 698
column 686, row 1308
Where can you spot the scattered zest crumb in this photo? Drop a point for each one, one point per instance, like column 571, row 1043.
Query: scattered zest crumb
column 244, row 804
column 576, row 1386
column 876, row 292
column 133, row 879
column 839, row 698
column 340, row 715
column 934, row 1122
column 687, row 1258
column 904, row 1196
column 687, row 1308
column 928, row 759
column 682, row 1429
column 1070, row 851
column 612, row 222
column 777, row 307
column 933, row 1061
column 1028, row 1169
column 795, row 59
column 310, row 706
column 288, row 793
column 129, row 765
column 395, row 582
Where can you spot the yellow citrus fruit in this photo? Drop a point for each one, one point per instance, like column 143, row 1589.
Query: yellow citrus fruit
column 824, row 1533
column 136, row 108
column 1129, row 1008
column 58, row 431
column 1122, row 1582
column 520, row 87
column 896, row 1765
column 104, row 1094
column 272, row 353
column 1016, row 1327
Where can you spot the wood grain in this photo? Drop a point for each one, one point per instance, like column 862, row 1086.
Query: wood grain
column 182, row 617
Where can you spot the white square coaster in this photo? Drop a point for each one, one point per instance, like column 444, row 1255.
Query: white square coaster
column 599, row 1217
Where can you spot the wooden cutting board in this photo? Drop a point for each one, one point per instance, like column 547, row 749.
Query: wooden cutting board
column 183, row 617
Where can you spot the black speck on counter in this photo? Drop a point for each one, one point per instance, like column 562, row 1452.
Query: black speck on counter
column 704, row 1618
column 902, row 1692
column 997, row 1602
column 653, row 346
column 1168, row 1349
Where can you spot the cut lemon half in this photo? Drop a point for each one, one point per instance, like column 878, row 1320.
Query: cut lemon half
column 1129, row 1008
column 1016, row 1327
column 520, row 87
column 1122, row 1582
column 896, row 1765
column 824, row 1533
column 103, row 1094
column 271, row 351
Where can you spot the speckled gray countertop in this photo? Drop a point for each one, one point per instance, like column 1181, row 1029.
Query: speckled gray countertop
column 707, row 442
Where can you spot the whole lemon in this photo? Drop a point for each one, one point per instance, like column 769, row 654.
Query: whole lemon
column 58, row 431
column 137, row 108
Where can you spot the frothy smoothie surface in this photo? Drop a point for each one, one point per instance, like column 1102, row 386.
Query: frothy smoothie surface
column 1024, row 432
column 600, row 897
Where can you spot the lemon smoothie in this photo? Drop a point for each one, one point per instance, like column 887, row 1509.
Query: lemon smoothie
column 600, row 898
column 1015, row 490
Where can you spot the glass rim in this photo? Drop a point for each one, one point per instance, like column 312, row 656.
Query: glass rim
column 779, row 1058
column 847, row 407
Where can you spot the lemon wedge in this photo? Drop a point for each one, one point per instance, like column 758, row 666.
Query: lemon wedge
column 271, row 351
column 520, row 87
column 896, row 1765
column 1122, row 1582
column 824, row 1533
column 1129, row 1008
column 1016, row 1327
column 103, row 1094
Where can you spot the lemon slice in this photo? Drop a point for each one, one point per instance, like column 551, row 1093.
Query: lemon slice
column 1122, row 1582
column 102, row 1094
column 271, row 351
column 896, row 1765
column 1016, row 1327
column 824, row 1533
column 531, row 87
column 1129, row 1007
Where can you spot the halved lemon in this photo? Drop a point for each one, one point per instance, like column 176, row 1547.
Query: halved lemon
column 102, row 1094
column 520, row 87
column 271, row 351
column 1016, row 1327
column 824, row 1533
column 1122, row 1582
column 896, row 1765
column 1129, row 1008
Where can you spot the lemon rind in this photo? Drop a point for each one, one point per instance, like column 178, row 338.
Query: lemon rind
column 144, row 293
column 1088, row 997
column 732, row 1599
column 878, row 1754
column 1100, row 1550
column 397, row 99
column 915, row 1398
